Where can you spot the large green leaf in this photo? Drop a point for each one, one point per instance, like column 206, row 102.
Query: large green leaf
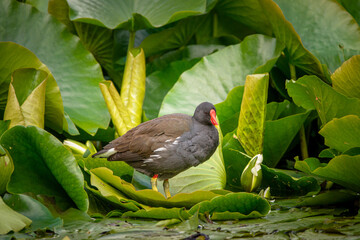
column 250, row 130
column 133, row 15
column 6, row 169
column 342, row 134
column 215, row 75
column 352, row 7
column 42, row 165
column 73, row 67
column 346, row 79
column 343, row 170
column 266, row 17
column 311, row 93
column 11, row 220
column 326, row 29
column 160, row 82
column 26, row 98
column 40, row 216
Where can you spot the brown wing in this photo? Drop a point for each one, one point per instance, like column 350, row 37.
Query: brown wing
column 139, row 142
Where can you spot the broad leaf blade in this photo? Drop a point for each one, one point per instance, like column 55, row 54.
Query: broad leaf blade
column 44, row 166
column 133, row 15
column 11, row 220
column 250, row 131
column 215, row 75
column 346, row 79
column 342, row 134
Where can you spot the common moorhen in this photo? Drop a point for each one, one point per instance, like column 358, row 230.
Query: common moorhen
column 165, row 146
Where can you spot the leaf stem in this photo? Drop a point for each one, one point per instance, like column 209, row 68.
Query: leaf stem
column 131, row 40
column 303, row 143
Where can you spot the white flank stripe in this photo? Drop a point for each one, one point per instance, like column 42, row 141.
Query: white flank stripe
column 160, row 149
column 108, row 153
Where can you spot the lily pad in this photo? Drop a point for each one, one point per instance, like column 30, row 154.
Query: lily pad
column 41, row 216
column 160, row 213
column 133, row 15
column 148, row 196
column 68, row 61
column 215, row 75
column 11, row 220
column 234, row 206
column 342, row 170
column 342, row 134
column 42, row 165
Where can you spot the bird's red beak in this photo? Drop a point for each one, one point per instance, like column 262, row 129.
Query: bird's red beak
column 213, row 117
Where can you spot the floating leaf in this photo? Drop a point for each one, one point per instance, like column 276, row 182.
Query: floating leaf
column 228, row 67
column 234, row 206
column 40, row 216
column 342, row 170
column 11, row 220
column 42, row 165
column 250, row 131
column 133, row 15
column 160, row 213
column 346, row 79
column 342, row 134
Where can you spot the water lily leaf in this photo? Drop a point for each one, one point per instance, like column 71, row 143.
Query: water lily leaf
column 329, row 41
column 284, row 185
column 133, row 15
column 311, row 93
column 327, row 198
column 11, row 220
column 119, row 113
column 342, row 134
column 6, row 169
column 266, row 17
column 159, row 83
column 352, row 7
column 26, row 99
column 346, row 79
column 42, row 165
column 70, row 61
column 150, row 197
column 250, row 130
column 228, row 111
column 234, row 206
column 60, row 10
column 342, row 170
column 40, row 216
column 133, row 84
column 228, row 67
column 160, row 213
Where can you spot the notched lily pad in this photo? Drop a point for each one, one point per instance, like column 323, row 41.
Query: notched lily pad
column 234, row 206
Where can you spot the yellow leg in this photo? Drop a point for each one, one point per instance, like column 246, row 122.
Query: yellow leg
column 166, row 188
column 154, row 183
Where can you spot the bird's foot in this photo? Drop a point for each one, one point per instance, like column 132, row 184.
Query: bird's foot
column 154, row 182
column 166, row 188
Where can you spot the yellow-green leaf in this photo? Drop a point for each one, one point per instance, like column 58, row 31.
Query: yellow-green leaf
column 11, row 220
column 346, row 79
column 250, row 131
column 133, row 85
column 117, row 109
column 26, row 98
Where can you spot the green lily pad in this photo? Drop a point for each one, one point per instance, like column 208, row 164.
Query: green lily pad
column 133, row 15
column 327, row 198
column 234, row 206
column 312, row 93
column 40, row 216
column 148, row 196
column 11, row 220
column 342, row 134
column 317, row 23
column 82, row 98
column 228, row 67
column 160, row 213
column 342, row 170
column 42, row 165
column 346, row 79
